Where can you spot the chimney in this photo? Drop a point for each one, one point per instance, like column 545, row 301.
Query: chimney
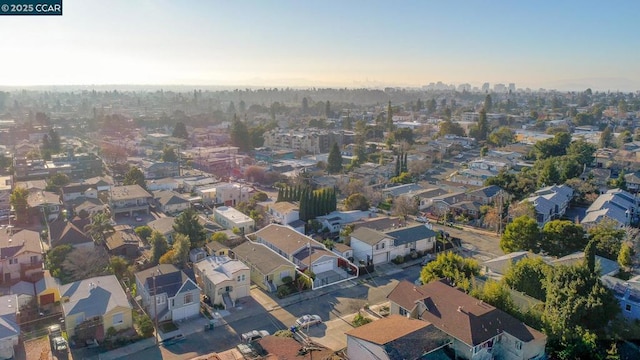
column 460, row 309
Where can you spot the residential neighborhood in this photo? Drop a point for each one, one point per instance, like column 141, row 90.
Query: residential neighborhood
column 442, row 222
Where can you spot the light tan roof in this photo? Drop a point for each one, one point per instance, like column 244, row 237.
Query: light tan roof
column 284, row 207
column 260, row 257
column 285, row 238
column 127, row 192
column 387, row 329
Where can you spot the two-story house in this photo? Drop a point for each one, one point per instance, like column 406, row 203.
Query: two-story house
column 223, row 280
column 92, row 306
column 128, row 199
column 284, row 212
column 377, row 247
column 616, row 205
column 170, row 202
column 551, row 202
column 169, row 292
column 20, row 255
column 478, row 330
column 45, row 204
column 306, row 253
column 230, row 218
column 627, row 293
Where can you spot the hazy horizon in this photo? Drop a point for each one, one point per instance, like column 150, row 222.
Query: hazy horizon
column 569, row 45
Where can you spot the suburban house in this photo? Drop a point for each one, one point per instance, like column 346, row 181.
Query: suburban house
column 128, row 199
column 223, row 280
column 163, row 184
column 164, row 226
column 495, row 268
column 627, row 293
column 9, row 328
column 74, row 191
column 232, row 194
column 550, row 202
column 170, row 202
column 284, row 212
column 6, row 184
column 607, row 267
column 26, row 293
column 377, row 247
column 20, row 255
column 343, row 250
column 123, row 241
column 230, row 218
column 336, row 220
column 161, row 170
column 87, row 206
column 306, row 253
column 425, row 197
column 169, row 292
column 65, row 232
column 267, row 268
column 487, row 195
column 478, row 330
column 396, row 337
column 615, row 205
column 45, row 204
column 92, row 306
column 47, row 290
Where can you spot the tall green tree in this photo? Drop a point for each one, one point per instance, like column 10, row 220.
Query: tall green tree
column 188, row 224
column 582, row 151
column 521, row 234
column 608, row 239
column 562, row 237
column 606, row 138
column 169, row 154
column 356, row 201
column 135, row 177
column 19, row 202
column 483, row 125
column 624, row 256
column 239, row 134
column 389, row 117
column 450, row 266
column 56, row 181
column 327, row 110
column 488, row 103
column 181, row 248
column 180, row 131
column 334, row 161
column 503, row 136
column 529, row 275
column 449, row 127
column 159, row 246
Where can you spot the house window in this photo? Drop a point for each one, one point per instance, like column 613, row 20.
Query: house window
column 188, row 298
column 34, row 259
column 160, row 300
column 403, row 311
column 383, row 245
column 519, row 345
column 627, row 307
column 13, row 261
column 376, row 246
column 118, row 319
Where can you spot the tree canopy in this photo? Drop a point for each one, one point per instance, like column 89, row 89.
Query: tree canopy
column 18, row 201
column 180, row 131
column 528, row 275
column 356, row 201
column 450, row 266
column 521, row 234
column 159, row 246
column 562, row 237
column 334, row 161
column 188, row 224
column 135, row 177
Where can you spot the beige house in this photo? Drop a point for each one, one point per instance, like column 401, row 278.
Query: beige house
column 92, row 306
column 129, row 199
column 20, row 255
column 267, row 268
column 223, row 280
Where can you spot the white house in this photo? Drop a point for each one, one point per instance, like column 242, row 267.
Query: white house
column 372, row 246
column 230, row 218
column 223, row 280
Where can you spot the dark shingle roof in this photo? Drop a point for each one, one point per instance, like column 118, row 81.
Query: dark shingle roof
column 411, row 234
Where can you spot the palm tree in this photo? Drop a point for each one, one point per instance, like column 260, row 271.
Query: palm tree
column 99, row 226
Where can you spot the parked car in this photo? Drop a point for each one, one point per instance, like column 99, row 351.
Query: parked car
column 59, row 344
column 308, row 320
column 422, row 219
column 427, row 259
column 254, row 335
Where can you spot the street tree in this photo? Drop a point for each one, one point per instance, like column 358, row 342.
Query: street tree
column 188, row 224
column 404, row 205
column 169, row 154
column 528, row 275
column 562, row 237
column 521, row 234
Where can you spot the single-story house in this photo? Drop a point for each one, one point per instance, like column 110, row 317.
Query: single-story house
column 267, row 268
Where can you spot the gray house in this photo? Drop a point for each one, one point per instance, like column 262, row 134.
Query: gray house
column 169, row 292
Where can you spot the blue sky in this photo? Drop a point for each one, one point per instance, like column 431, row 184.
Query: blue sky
column 353, row 43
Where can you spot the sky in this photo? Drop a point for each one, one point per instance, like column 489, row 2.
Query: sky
column 564, row 45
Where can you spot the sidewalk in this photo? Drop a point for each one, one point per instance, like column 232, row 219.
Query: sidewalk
column 126, row 351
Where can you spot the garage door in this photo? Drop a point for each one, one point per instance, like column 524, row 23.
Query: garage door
column 323, row 266
column 46, row 299
column 380, row 258
column 185, row 312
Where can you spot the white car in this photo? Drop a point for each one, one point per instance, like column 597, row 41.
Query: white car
column 308, row 320
column 60, row 344
column 254, row 335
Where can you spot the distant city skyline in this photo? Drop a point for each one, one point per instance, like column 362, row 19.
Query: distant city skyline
column 567, row 45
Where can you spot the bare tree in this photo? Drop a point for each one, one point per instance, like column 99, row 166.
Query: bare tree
column 85, row 262
column 418, row 167
column 518, row 209
column 404, row 205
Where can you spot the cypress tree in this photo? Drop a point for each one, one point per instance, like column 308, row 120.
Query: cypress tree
column 405, row 168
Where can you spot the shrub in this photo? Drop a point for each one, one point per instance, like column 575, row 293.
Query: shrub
column 111, row 332
column 287, row 279
column 360, row 320
column 283, row 333
column 144, row 325
column 283, row 291
column 398, row 259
